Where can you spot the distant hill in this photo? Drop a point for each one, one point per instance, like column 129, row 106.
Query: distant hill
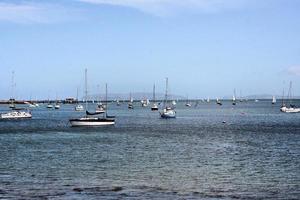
column 135, row 96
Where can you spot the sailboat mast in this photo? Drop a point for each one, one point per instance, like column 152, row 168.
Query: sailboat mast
column 154, row 93
column 282, row 99
column 12, row 86
column 106, row 99
column 86, row 92
column 166, row 95
column 77, row 95
column 290, row 93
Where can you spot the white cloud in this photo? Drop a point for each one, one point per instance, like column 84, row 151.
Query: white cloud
column 294, row 70
column 169, row 7
column 28, row 13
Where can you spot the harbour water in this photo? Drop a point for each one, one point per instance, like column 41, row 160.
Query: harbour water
column 254, row 155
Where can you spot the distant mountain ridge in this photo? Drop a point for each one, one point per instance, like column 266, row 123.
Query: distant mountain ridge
column 134, row 95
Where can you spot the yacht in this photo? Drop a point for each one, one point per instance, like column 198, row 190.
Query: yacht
column 291, row 108
column 16, row 114
column 91, row 119
column 57, row 106
column 234, row 98
column 50, row 106
column 168, row 111
column 154, row 107
column 273, row 100
column 218, row 102
column 130, row 103
column 78, row 107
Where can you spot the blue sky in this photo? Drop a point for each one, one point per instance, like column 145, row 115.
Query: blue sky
column 205, row 47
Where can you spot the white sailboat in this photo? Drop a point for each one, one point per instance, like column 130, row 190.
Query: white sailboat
column 273, row 100
column 168, row 111
column 291, row 108
column 234, row 98
column 56, row 106
column 50, row 106
column 218, row 102
column 78, row 107
column 89, row 119
column 12, row 99
column 174, row 103
column 188, row 104
column 154, row 106
column 130, row 103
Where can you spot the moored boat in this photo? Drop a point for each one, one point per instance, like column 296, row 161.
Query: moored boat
column 168, row 111
column 16, row 114
column 89, row 119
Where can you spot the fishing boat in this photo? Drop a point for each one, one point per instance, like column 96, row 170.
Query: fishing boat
column 16, row 114
column 168, row 111
column 273, row 100
column 291, row 108
column 89, row 119
column 154, row 107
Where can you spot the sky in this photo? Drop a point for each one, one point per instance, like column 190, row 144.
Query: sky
column 207, row 48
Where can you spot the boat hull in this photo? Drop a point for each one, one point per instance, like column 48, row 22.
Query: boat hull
column 168, row 114
column 289, row 110
column 16, row 115
column 92, row 122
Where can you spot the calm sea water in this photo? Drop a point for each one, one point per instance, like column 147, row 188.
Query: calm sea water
column 254, row 155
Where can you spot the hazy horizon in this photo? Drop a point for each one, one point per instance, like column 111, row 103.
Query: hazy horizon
column 206, row 48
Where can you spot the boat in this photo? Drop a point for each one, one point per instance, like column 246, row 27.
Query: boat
column 16, row 114
column 208, row 100
column 291, row 108
column 218, row 102
column 234, row 98
column 90, row 119
column 30, row 104
column 273, row 100
column 13, row 84
column 154, row 107
column 57, row 106
column 168, row 111
column 118, row 103
column 130, row 103
column 144, row 102
column 78, row 107
column 174, row 103
column 50, row 106
column 188, row 104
